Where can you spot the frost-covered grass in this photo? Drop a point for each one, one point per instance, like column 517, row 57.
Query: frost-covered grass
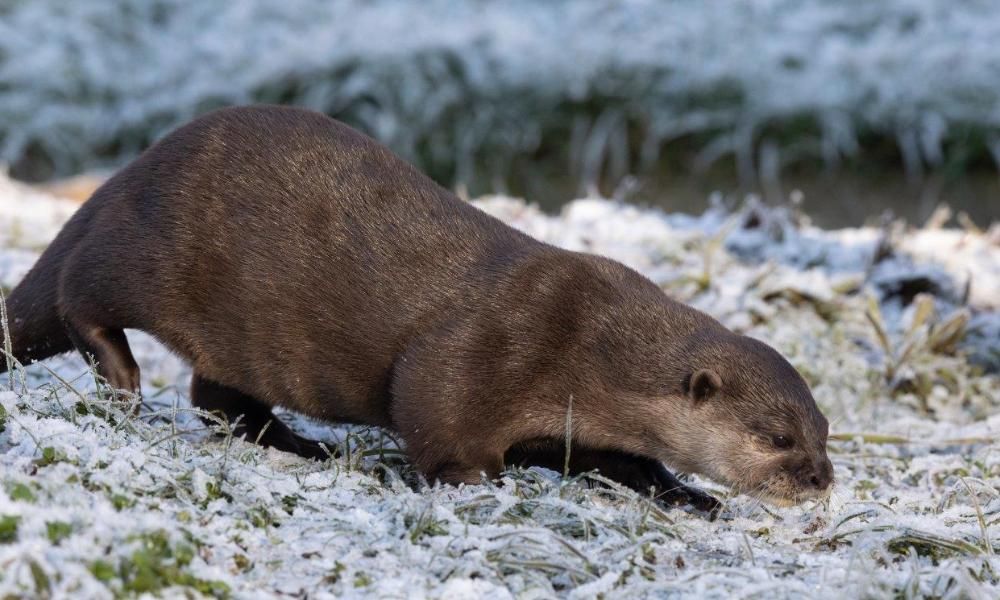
column 96, row 501
column 466, row 85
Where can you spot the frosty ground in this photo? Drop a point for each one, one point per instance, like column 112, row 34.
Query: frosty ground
column 895, row 329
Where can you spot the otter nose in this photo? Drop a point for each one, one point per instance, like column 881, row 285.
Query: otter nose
column 822, row 474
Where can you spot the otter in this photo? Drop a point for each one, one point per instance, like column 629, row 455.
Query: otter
column 295, row 262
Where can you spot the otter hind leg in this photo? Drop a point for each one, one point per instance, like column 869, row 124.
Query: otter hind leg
column 109, row 348
column 254, row 418
column 644, row 475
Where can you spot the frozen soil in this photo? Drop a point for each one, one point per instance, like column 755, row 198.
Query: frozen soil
column 895, row 329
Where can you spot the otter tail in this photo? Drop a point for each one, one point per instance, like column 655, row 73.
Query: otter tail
column 33, row 322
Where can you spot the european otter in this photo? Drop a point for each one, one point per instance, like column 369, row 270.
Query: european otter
column 296, row 262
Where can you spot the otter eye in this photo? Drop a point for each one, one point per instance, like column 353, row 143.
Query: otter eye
column 781, row 442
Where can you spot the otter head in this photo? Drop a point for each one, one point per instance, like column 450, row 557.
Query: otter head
column 750, row 422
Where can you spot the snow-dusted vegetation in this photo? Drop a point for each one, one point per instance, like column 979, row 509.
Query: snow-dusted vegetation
column 895, row 329
column 460, row 86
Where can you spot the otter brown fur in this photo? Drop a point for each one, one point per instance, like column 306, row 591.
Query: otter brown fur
column 296, row 262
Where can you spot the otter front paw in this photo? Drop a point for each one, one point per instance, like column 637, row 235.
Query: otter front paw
column 456, row 473
column 706, row 503
column 693, row 497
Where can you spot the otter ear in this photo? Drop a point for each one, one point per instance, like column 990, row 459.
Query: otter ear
column 703, row 384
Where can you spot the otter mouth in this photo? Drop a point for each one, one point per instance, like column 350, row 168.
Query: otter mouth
column 782, row 497
column 771, row 482
column 778, row 491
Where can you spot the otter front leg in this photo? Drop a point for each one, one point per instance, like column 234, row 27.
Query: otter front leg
column 447, row 422
column 641, row 474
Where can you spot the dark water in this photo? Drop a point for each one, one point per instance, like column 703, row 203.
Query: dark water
column 832, row 200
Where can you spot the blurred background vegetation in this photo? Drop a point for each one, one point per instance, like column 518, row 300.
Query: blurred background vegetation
column 863, row 106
